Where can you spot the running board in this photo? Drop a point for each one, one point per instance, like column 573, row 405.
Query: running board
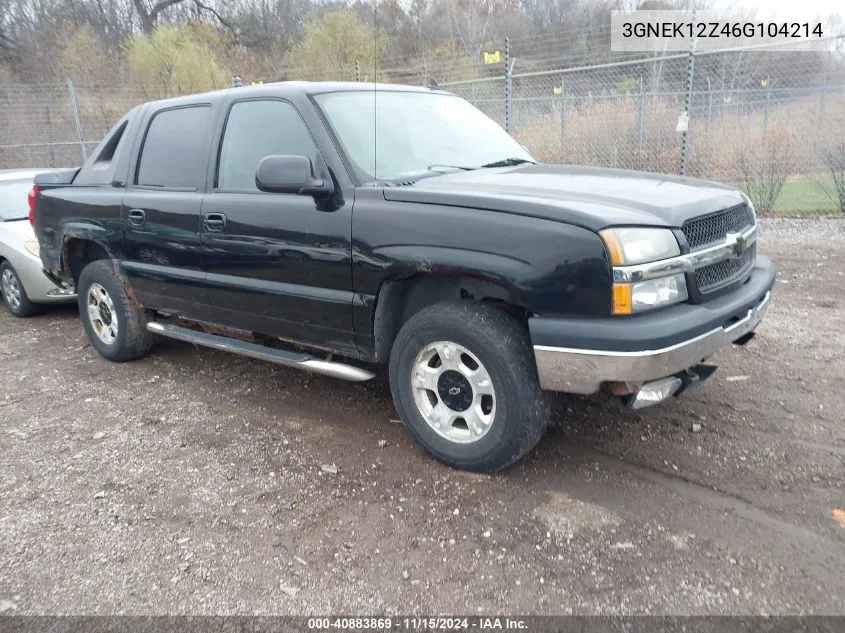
column 300, row 360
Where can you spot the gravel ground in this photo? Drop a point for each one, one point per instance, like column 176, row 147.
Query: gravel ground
column 192, row 482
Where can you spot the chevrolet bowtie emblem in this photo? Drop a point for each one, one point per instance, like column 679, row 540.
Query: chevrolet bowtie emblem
column 739, row 243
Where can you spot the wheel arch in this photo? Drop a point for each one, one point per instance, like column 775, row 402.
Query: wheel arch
column 78, row 252
column 400, row 298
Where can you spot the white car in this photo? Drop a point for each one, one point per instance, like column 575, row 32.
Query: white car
column 23, row 285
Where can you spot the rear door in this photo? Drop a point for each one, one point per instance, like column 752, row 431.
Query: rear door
column 161, row 212
column 276, row 263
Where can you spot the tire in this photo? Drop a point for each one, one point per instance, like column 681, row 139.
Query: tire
column 119, row 329
column 497, row 424
column 14, row 294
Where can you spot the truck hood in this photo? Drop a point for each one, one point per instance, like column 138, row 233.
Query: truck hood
column 593, row 198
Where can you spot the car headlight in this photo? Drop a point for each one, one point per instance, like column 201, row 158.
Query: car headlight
column 630, row 298
column 32, row 247
column 633, row 246
column 656, row 293
column 629, row 246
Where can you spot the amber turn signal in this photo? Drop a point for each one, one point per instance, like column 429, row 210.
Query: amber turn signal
column 622, row 303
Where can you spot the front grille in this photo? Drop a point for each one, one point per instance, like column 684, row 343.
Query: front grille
column 713, row 228
column 714, row 275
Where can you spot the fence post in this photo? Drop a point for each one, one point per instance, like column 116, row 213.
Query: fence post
column 564, row 118
column 768, row 104
column 641, row 116
column 75, row 109
column 823, row 99
column 687, row 105
column 508, row 87
column 49, row 114
column 357, row 70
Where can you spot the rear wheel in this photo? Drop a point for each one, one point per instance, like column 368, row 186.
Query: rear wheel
column 464, row 380
column 116, row 327
column 14, row 294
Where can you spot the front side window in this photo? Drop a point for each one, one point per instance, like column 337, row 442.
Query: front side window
column 392, row 135
column 256, row 129
column 173, row 155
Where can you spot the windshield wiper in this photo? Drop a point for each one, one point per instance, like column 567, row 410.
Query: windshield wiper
column 507, row 162
column 436, row 170
column 461, row 167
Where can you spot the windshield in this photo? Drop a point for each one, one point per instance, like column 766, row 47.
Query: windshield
column 413, row 133
column 13, row 199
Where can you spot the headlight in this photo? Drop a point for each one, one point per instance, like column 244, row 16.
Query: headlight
column 629, row 246
column 633, row 246
column 647, row 295
column 655, row 293
column 31, row 246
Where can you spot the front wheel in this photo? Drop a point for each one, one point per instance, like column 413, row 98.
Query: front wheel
column 116, row 327
column 464, row 381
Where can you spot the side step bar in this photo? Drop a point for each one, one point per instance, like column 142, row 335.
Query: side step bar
column 300, row 360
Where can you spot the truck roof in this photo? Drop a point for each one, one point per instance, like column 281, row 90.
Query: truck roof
column 282, row 88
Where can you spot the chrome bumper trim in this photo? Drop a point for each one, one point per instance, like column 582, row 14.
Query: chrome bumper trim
column 733, row 245
column 583, row 371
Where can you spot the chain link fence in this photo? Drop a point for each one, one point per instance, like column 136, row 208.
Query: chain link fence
column 39, row 127
column 751, row 112
column 745, row 104
column 57, row 125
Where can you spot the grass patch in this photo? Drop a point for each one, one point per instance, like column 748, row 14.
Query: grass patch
column 806, row 196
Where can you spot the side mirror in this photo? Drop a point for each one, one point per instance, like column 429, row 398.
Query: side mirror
column 291, row 174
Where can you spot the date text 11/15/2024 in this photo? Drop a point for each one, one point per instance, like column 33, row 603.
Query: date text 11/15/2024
column 418, row 623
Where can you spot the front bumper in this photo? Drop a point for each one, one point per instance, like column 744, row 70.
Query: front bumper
column 579, row 355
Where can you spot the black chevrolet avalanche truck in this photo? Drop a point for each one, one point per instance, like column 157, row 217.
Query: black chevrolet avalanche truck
column 336, row 227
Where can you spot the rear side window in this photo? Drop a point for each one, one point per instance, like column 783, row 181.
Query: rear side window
column 255, row 129
column 173, row 155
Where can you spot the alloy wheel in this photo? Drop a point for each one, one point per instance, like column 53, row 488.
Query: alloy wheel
column 101, row 313
column 453, row 392
column 11, row 289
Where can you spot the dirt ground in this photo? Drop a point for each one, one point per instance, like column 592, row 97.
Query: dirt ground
column 192, row 482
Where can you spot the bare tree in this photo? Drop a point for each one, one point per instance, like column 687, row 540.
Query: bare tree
column 765, row 165
column 834, row 157
column 148, row 13
column 469, row 20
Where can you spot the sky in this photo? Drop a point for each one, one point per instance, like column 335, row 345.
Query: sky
column 801, row 9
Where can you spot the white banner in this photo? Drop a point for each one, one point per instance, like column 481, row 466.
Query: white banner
column 677, row 31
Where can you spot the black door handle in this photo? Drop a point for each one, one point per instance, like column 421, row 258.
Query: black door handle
column 215, row 222
column 137, row 217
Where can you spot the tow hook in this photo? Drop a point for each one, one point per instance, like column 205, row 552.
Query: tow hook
column 694, row 376
column 742, row 340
